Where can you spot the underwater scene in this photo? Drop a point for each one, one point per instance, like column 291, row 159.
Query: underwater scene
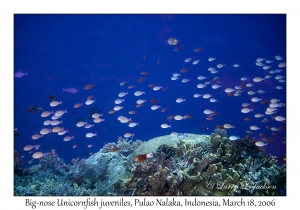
column 149, row 105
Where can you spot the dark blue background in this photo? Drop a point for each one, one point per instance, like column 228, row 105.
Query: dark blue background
column 62, row 51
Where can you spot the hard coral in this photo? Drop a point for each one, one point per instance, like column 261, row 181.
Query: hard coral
column 196, row 165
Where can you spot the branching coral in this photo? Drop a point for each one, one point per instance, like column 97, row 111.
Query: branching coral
column 207, row 159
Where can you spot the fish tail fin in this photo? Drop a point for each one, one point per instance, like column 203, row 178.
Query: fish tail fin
column 63, row 90
column 41, row 108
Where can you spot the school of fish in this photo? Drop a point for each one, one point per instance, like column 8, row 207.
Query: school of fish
column 271, row 69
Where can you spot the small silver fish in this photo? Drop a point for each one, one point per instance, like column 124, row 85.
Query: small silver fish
column 172, row 41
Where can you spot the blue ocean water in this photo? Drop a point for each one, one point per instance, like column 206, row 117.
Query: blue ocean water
column 72, row 51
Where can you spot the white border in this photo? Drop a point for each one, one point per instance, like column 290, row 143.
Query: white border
column 8, row 8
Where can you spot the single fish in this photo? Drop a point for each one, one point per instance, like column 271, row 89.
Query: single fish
column 156, row 88
column 260, row 59
column 34, row 109
column 68, row 138
column 89, row 135
column 220, row 65
column 143, row 157
column 55, row 103
column 154, row 107
column 37, row 155
column 98, row 120
column 16, row 134
column 182, row 135
column 198, row 49
column 70, row 90
column 233, row 138
column 165, row 126
column 132, row 124
column 114, row 149
column 127, row 135
column 187, row 60
column 139, row 93
column 122, row 94
column 179, row 100
column 260, row 144
column 77, row 105
column 144, row 73
column 52, row 97
column 173, row 41
column 20, row 74
column 87, row 87
column 195, row 62
column 227, row 126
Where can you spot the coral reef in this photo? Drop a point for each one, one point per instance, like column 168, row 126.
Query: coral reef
column 126, row 147
column 195, row 165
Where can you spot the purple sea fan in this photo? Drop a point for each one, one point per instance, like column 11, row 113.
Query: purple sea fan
column 20, row 74
column 69, row 90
